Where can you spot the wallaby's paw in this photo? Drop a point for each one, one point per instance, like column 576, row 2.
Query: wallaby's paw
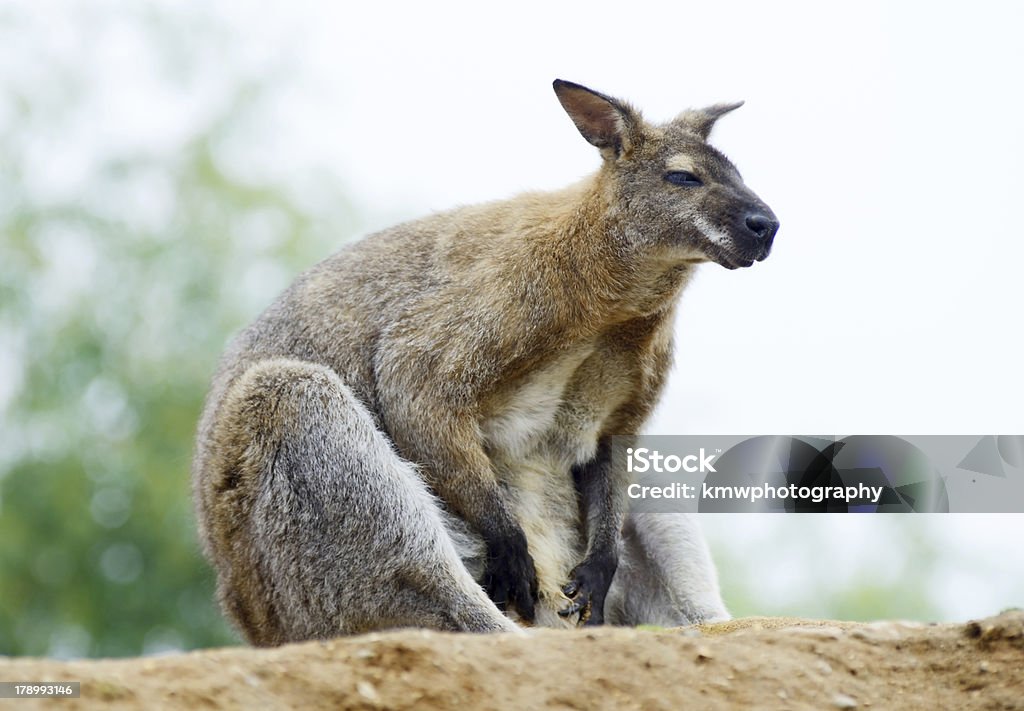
column 587, row 589
column 511, row 578
column 579, row 603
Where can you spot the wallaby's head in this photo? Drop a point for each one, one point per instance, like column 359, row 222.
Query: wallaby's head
column 673, row 192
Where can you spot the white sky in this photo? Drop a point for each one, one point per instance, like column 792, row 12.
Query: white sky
column 885, row 136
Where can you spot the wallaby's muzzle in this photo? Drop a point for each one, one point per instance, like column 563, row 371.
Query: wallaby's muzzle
column 763, row 227
column 749, row 240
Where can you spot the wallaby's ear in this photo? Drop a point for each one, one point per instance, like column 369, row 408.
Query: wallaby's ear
column 701, row 121
column 607, row 123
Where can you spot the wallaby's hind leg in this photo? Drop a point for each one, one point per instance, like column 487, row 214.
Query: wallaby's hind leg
column 665, row 574
column 316, row 526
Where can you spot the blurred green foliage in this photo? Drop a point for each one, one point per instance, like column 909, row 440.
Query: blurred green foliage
column 786, row 572
column 116, row 298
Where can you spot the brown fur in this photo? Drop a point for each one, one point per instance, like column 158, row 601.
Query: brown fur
column 452, row 338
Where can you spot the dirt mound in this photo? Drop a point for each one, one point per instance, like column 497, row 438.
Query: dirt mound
column 763, row 663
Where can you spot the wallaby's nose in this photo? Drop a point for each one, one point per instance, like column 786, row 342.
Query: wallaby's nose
column 763, row 227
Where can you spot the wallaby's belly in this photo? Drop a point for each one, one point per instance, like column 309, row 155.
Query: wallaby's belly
column 544, row 427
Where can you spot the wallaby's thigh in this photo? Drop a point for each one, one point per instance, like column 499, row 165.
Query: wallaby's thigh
column 665, row 574
column 323, row 529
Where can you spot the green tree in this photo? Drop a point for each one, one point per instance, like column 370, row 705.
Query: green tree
column 116, row 298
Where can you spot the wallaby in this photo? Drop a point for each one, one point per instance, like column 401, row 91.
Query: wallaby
column 418, row 431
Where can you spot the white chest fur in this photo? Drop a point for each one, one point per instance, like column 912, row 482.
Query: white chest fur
column 529, row 415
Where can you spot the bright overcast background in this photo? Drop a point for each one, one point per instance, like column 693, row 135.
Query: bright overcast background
column 885, row 136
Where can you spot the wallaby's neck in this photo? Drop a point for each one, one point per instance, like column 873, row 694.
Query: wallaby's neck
column 602, row 268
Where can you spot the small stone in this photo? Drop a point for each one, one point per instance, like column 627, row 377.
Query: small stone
column 367, row 691
column 823, row 666
column 983, row 666
column 842, row 701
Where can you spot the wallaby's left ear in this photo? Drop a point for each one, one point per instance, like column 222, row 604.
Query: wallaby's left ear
column 701, row 121
column 610, row 124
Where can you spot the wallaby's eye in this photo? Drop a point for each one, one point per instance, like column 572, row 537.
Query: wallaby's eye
column 681, row 177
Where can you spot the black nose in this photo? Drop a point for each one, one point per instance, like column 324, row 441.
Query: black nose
column 763, row 226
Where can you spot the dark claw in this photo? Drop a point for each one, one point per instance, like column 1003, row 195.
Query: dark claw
column 581, row 605
column 587, row 588
column 571, row 610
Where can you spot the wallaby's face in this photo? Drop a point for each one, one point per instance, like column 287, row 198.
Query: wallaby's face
column 679, row 197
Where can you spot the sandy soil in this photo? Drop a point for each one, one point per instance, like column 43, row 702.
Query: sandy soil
column 762, row 663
